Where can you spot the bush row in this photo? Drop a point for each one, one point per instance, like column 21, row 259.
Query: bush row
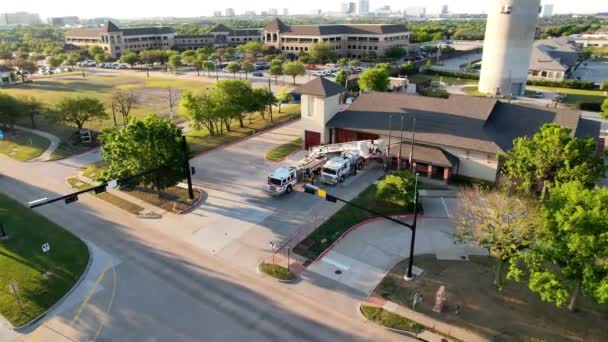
column 452, row 74
column 572, row 84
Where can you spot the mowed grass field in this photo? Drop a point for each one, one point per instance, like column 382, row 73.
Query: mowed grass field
column 152, row 93
column 575, row 95
column 42, row 278
column 22, row 145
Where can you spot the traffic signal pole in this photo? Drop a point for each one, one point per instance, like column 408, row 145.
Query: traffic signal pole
column 187, row 169
column 315, row 190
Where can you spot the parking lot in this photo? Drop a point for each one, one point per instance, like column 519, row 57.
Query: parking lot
column 594, row 71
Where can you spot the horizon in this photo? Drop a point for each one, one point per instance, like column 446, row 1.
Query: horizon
column 129, row 11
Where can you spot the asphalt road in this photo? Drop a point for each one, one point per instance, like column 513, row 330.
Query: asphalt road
column 163, row 287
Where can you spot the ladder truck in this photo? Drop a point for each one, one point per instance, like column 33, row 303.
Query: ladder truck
column 283, row 179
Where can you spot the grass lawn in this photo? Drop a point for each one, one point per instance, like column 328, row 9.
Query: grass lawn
column 389, row 319
column 42, row 279
column 280, row 152
column 472, row 90
column 201, row 140
column 108, row 197
column 513, row 314
column 22, row 145
column 346, row 217
column 276, row 271
column 93, row 171
column 575, row 95
column 173, row 199
column 421, row 77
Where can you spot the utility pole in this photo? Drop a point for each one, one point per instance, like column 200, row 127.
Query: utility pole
column 400, row 144
column 409, row 275
column 412, row 146
column 187, row 169
column 270, row 100
column 388, row 148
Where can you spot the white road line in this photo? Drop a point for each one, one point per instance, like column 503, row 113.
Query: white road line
column 447, row 213
column 335, row 263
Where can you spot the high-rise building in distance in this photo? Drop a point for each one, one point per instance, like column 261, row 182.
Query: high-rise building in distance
column 363, row 7
column 547, row 11
column 230, row 12
column 20, row 18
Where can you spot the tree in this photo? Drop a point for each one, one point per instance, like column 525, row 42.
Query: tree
column 230, row 98
column 101, row 57
column 322, row 52
column 124, row 101
column 429, row 63
column 95, row 50
column 253, row 47
column 145, row 145
column 9, row 110
column 276, row 71
column 130, row 58
column 397, row 189
column 208, row 65
column 370, row 56
column 247, row 67
column 72, row 59
column 305, row 58
column 54, row 61
column 234, row 68
column 175, row 62
column 469, row 66
column 342, row 62
column 31, row 107
column 263, row 99
column 294, row 69
column 25, row 66
column 199, row 108
column 408, row 68
column 354, row 63
column 341, row 78
column 604, row 86
column 570, row 254
column 79, row 110
column 284, row 96
column 503, row 224
column 605, row 109
column 197, row 64
column 552, row 155
column 395, row 53
column 374, row 79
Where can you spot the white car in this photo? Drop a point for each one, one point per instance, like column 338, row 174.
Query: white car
column 122, row 66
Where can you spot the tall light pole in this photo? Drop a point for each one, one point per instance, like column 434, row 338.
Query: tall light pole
column 412, row 146
column 400, row 144
column 409, row 275
column 388, row 148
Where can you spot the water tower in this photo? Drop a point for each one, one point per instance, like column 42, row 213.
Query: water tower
column 507, row 47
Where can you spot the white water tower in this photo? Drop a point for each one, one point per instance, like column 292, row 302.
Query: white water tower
column 510, row 30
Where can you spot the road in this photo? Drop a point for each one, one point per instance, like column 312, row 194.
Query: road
column 161, row 286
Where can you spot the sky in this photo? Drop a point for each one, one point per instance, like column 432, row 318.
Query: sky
column 193, row 8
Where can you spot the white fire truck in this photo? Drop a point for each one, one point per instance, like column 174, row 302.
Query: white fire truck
column 282, row 180
column 338, row 168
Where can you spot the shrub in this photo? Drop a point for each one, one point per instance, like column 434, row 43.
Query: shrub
column 452, row 74
column 572, row 84
column 431, row 92
column 276, row 271
column 389, row 319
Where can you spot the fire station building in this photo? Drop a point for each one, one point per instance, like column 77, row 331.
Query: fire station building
column 462, row 135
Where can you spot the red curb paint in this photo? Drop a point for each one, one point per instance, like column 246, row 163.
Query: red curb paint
column 287, row 156
column 196, row 203
column 245, row 138
column 375, row 219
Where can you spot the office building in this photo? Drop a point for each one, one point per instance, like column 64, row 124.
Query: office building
column 363, row 7
column 554, row 59
column 230, row 12
column 64, row 21
column 547, row 11
column 20, row 18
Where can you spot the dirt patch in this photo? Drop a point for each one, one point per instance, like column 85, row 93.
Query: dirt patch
column 513, row 314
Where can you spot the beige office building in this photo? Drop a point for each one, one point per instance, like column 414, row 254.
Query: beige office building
column 115, row 40
column 348, row 41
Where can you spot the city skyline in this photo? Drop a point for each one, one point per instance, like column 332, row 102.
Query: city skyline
column 190, row 8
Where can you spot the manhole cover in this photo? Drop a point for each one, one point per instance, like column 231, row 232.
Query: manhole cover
column 338, row 272
column 463, row 257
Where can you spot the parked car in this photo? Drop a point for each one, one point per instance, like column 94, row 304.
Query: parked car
column 258, row 74
column 122, row 66
column 311, row 67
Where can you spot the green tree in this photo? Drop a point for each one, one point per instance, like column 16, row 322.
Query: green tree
column 72, row 59
column 200, row 109
column 95, row 50
column 145, row 145
column 469, row 66
column 54, row 61
column 234, row 67
column 408, row 68
column 208, row 65
column 604, row 86
column 130, row 58
column 397, row 189
column 503, row 224
column 276, row 71
column 25, row 66
column 370, row 56
column 197, row 64
column 342, row 62
column 9, row 110
column 253, row 47
column 247, row 67
column 322, row 52
column 123, row 102
column 31, row 107
column 341, row 77
column 354, row 63
column 102, row 57
column 79, row 110
column 374, row 79
column 294, row 69
column 230, row 98
column 284, row 96
column 175, row 62
column 605, row 109
column 395, row 53
column 552, row 155
column 570, row 254
column 263, row 99
column 305, row 58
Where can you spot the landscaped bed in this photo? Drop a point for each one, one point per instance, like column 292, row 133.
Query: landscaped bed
column 282, row 151
column 41, row 278
column 389, row 319
column 276, row 271
column 513, row 314
column 348, row 216
column 22, row 145
column 106, row 196
column 173, row 199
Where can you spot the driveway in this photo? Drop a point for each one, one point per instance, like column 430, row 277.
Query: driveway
column 361, row 259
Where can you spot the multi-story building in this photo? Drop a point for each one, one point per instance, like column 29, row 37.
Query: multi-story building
column 363, row 7
column 217, row 13
column 64, row 21
column 547, row 11
column 273, row 11
column 20, row 18
column 115, row 40
column 598, row 38
column 219, row 36
column 285, row 11
column 348, row 41
column 230, row 12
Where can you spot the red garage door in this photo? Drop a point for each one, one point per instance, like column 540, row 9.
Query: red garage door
column 311, row 139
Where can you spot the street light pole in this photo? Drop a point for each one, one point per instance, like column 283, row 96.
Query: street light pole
column 388, row 148
column 409, row 275
column 187, row 168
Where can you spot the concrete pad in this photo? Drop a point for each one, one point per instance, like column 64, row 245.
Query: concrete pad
column 451, row 254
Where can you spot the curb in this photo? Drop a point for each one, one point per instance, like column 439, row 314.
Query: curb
column 245, row 137
column 196, row 203
column 82, row 275
column 395, row 330
column 376, row 219
column 287, row 156
column 295, row 277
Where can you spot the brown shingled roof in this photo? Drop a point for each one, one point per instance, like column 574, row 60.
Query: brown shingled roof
column 320, row 86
